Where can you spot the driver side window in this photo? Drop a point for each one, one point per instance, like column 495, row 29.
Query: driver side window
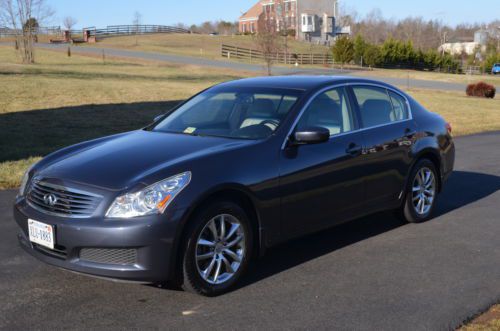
column 329, row 110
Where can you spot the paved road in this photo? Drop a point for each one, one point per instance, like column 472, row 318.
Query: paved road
column 188, row 60
column 371, row 274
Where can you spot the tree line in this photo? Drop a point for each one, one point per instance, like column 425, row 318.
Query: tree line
column 425, row 34
column 392, row 53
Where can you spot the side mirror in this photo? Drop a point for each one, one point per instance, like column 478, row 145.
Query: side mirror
column 308, row 136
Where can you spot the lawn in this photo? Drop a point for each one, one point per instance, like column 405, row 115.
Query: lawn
column 61, row 101
column 434, row 76
column 466, row 115
column 489, row 321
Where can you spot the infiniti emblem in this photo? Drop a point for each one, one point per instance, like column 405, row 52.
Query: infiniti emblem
column 50, row 199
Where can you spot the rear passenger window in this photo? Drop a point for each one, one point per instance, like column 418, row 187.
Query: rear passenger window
column 378, row 107
column 400, row 107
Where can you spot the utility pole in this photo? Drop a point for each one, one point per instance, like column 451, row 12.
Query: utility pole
column 444, row 42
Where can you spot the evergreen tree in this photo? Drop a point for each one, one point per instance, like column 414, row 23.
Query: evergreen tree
column 343, row 50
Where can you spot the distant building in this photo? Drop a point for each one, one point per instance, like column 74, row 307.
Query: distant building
column 311, row 20
column 459, row 48
column 473, row 46
column 250, row 20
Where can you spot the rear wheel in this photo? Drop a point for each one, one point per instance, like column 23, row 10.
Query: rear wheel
column 421, row 193
column 217, row 249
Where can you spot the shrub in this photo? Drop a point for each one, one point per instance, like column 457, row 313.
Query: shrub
column 481, row 90
column 343, row 50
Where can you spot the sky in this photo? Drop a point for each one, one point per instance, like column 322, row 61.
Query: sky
column 101, row 13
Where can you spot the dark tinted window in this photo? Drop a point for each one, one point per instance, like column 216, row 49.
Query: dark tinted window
column 329, row 110
column 378, row 106
column 400, row 107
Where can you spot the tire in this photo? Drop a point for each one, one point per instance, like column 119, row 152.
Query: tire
column 412, row 210
column 201, row 259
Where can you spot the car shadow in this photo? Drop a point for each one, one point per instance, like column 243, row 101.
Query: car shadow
column 462, row 188
column 39, row 132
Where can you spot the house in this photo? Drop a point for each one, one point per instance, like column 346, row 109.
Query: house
column 248, row 22
column 311, row 20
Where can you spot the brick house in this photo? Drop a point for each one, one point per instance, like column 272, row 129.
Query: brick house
column 311, row 20
column 249, row 21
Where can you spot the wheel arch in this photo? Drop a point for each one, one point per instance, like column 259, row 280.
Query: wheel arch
column 232, row 192
column 433, row 156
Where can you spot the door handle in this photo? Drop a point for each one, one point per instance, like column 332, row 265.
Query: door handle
column 354, row 149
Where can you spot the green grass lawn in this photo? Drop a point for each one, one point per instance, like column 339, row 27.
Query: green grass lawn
column 61, row 101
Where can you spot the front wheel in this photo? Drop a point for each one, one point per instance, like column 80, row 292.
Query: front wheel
column 217, row 249
column 421, row 193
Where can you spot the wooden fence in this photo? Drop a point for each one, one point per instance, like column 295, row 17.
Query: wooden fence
column 48, row 30
column 123, row 30
column 234, row 52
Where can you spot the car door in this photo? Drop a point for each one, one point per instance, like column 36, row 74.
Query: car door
column 322, row 184
column 389, row 134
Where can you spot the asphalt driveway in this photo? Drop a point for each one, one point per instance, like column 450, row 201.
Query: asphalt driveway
column 372, row 274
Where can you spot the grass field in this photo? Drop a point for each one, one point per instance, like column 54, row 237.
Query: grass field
column 434, row 76
column 489, row 321
column 61, row 101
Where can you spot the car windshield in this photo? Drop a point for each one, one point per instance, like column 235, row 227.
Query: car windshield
column 243, row 114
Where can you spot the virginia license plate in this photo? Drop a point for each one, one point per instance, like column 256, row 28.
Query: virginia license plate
column 41, row 233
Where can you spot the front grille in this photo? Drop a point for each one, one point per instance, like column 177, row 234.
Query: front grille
column 120, row 256
column 61, row 201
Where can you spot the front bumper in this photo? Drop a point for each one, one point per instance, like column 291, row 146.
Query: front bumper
column 147, row 241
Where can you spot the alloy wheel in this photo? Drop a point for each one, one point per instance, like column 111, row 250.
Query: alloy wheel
column 423, row 191
column 220, row 249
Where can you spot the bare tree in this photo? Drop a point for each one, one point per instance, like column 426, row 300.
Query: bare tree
column 69, row 22
column 283, row 13
column 23, row 17
column 136, row 22
column 267, row 41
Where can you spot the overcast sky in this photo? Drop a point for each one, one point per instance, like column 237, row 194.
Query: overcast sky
column 109, row 12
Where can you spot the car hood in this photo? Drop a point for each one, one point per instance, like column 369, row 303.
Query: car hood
column 124, row 160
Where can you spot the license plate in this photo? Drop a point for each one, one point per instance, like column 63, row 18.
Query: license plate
column 41, row 233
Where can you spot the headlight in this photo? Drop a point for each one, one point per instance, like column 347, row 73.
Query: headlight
column 153, row 199
column 24, row 181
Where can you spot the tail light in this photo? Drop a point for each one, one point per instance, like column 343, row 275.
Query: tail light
column 448, row 128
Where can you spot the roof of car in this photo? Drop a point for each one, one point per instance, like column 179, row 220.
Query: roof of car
column 304, row 83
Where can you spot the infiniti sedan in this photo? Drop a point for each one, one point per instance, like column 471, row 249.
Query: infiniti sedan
column 234, row 170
